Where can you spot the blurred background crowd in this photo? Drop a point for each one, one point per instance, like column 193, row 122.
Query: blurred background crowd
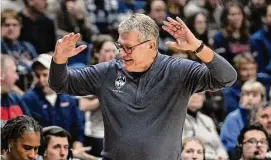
column 231, row 124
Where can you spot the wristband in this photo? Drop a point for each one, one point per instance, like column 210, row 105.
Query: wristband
column 199, row 48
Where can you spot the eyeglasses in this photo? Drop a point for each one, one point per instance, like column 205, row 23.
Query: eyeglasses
column 126, row 49
column 254, row 141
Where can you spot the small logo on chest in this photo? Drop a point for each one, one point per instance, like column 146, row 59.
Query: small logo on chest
column 120, row 82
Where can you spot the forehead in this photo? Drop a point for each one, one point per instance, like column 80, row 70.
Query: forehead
column 158, row 3
column 254, row 134
column 30, row 138
column 58, row 140
column 11, row 20
column 108, row 44
column 265, row 110
column 129, row 38
column 39, row 68
column 193, row 144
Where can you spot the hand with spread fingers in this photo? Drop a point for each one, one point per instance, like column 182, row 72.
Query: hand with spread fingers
column 185, row 39
column 66, row 47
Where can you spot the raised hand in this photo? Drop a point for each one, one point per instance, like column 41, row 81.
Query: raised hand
column 65, row 48
column 185, row 39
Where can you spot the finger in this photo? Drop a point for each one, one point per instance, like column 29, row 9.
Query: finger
column 86, row 148
column 181, row 21
column 65, row 38
column 171, row 44
column 173, row 21
column 80, row 49
column 75, row 38
column 170, row 25
column 169, row 30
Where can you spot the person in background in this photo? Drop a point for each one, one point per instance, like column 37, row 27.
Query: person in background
column 49, row 108
column 11, row 103
column 253, row 143
column 246, row 67
column 234, row 37
column 37, row 28
column 262, row 115
column 260, row 42
column 157, row 10
column 192, row 149
column 56, row 145
column 22, row 51
column 198, row 24
column 253, row 94
column 201, row 126
column 70, row 17
column 254, row 11
column 21, row 138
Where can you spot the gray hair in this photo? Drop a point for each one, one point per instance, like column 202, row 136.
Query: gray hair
column 147, row 28
column 254, row 111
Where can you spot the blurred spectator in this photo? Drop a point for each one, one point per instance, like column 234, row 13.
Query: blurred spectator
column 246, row 68
column 203, row 127
column 214, row 107
column 22, row 51
column 176, row 8
column 262, row 115
column 37, row 28
column 130, row 6
column 198, row 24
column 70, row 17
column 104, row 50
column 103, row 15
column 192, row 148
column 261, row 42
column 252, row 95
column 234, row 37
column 57, row 145
column 11, row 103
column 253, row 143
column 254, row 12
column 16, row 5
column 21, row 138
column 210, row 8
column 194, row 6
column 156, row 9
column 49, row 108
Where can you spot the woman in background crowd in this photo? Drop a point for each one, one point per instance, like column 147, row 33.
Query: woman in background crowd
column 21, row 137
column 192, row 149
column 234, row 37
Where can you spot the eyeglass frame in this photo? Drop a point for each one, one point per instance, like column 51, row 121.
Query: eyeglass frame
column 119, row 46
column 255, row 140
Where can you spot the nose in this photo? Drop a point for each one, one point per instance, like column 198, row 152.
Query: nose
column 122, row 53
column 32, row 155
column 62, row 152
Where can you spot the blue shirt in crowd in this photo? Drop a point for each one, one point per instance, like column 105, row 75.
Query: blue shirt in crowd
column 65, row 113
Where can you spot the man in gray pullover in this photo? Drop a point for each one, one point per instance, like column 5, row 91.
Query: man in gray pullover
column 144, row 93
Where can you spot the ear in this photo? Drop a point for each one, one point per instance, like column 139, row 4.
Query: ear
column 152, row 45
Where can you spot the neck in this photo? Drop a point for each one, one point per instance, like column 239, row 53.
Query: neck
column 30, row 13
column 9, row 41
column 236, row 33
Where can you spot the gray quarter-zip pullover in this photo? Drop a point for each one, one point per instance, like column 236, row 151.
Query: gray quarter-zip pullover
column 144, row 116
